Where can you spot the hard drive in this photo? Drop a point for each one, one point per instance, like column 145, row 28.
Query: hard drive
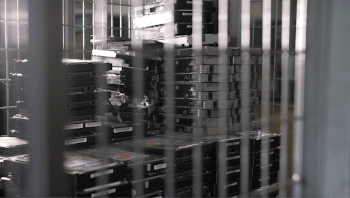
column 82, row 126
column 183, row 192
column 232, row 143
column 117, row 131
column 90, row 96
column 201, row 60
column 232, row 160
column 188, row 86
column 257, row 182
column 220, row 104
column 75, row 141
column 273, row 154
column 84, row 171
column 184, row 164
column 232, row 175
column 72, row 68
column 206, row 191
column 10, row 146
column 201, row 78
column 202, row 69
column 186, row 28
column 257, row 137
column 206, row 147
column 200, row 122
column 80, row 82
column 202, row 131
column 257, row 169
column 87, row 88
column 195, row 112
column 206, row 178
column 230, row 189
column 151, row 164
column 185, row 16
column 183, row 103
column 147, row 185
column 115, row 189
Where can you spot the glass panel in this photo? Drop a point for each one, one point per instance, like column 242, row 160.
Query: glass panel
column 88, row 14
column 79, row 55
column 109, row 7
column 78, row 13
column 12, row 35
column 23, row 10
column 2, row 9
column 24, row 36
column 2, row 35
column 78, row 38
column 125, row 21
column 2, row 66
column 257, row 14
column 11, row 9
column 116, row 16
column 88, row 55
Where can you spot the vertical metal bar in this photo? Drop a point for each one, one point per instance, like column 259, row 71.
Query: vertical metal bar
column 285, row 96
column 253, row 33
column 7, row 76
column 274, row 68
column 100, row 33
column 197, row 47
column 170, row 121
column 137, row 92
column 129, row 22
column 223, row 45
column 265, row 100
column 17, row 15
column 245, row 44
column 84, row 30
column 120, row 20
column 63, row 27
column 112, row 35
column 300, row 46
column 45, row 99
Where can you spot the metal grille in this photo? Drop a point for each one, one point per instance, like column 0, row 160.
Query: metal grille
column 278, row 27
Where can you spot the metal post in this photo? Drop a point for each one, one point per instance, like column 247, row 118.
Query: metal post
column 45, row 99
column 326, row 159
column 300, row 45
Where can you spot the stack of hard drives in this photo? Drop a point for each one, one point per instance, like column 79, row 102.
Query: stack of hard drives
column 256, row 141
column 85, row 101
column 152, row 19
column 183, row 163
column 200, row 92
column 86, row 176
column 131, row 80
column 146, row 171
